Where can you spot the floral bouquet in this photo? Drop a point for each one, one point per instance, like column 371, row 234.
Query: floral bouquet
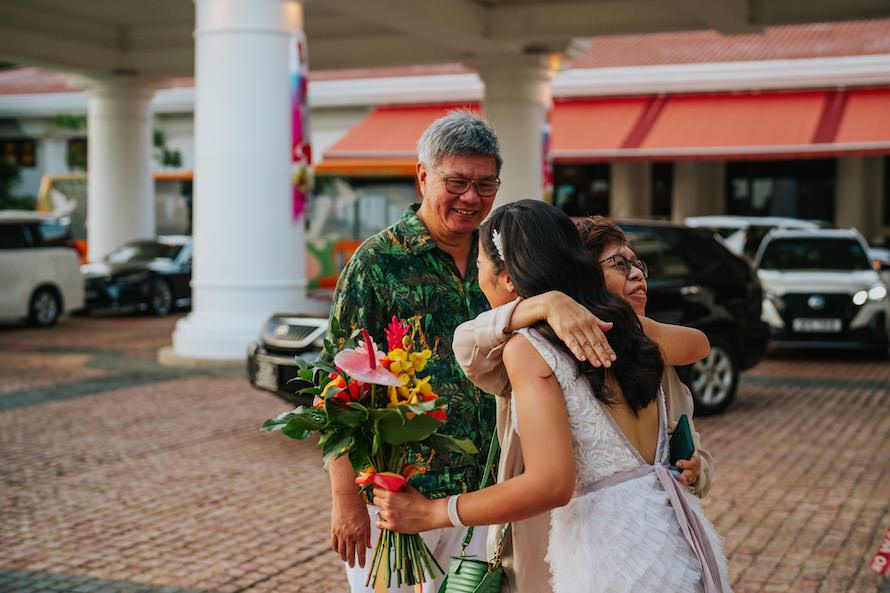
column 375, row 408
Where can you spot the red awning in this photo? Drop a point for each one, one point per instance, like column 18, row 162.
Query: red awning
column 727, row 126
column 390, row 132
column 797, row 124
column 593, row 125
column 710, row 126
column 865, row 124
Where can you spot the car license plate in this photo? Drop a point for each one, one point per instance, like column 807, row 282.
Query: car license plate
column 267, row 375
column 817, row 325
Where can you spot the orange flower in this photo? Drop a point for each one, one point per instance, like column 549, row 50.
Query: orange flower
column 351, row 391
column 411, row 469
column 336, row 382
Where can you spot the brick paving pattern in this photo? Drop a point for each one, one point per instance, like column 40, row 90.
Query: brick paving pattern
column 120, row 475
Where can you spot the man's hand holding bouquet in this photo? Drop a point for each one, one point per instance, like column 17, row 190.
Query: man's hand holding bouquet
column 376, row 408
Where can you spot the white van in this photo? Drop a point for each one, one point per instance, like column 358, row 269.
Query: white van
column 39, row 268
column 742, row 234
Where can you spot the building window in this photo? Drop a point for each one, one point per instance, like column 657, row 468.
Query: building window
column 77, row 154
column 582, row 190
column 662, row 189
column 22, row 152
column 797, row 189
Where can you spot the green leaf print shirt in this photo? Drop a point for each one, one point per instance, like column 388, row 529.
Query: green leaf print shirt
column 400, row 271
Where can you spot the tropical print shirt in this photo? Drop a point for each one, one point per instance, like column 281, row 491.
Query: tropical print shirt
column 401, row 272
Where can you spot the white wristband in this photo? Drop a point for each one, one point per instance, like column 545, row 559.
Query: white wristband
column 452, row 511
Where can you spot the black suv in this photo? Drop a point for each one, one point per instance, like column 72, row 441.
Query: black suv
column 284, row 336
column 695, row 281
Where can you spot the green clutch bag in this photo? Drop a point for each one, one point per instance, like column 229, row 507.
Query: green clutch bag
column 467, row 574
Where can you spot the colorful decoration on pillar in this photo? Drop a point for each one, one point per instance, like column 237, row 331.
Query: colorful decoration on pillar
column 301, row 148
column 547, row 160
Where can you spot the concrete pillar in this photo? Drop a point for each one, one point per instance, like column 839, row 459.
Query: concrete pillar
column 858, row 194
column 517, row 101
column 248, row 251
column 120, row 188
column 631, row 189
column 699, row 189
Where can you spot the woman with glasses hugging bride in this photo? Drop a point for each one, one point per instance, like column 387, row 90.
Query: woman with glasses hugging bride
column 592, row 440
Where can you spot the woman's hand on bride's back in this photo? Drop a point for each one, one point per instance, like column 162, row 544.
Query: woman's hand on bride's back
column 580, row 330
column 409, row 511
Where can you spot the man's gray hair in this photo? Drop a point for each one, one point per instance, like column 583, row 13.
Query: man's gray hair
column 460, row 132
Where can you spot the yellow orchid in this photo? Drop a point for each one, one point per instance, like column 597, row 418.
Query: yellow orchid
column 422, row 386
column 397, row 396
column 399, row 362
column 419, row 359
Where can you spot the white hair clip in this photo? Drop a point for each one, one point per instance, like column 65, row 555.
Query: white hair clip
column 498, row 244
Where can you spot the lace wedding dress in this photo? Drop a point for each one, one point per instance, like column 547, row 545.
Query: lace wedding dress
column 630, row 527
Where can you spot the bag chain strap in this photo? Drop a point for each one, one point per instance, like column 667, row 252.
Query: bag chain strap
column 496, row 561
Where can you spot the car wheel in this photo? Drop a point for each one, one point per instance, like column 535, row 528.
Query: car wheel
column 160, row 297
column 715, row 378
column 45, row 307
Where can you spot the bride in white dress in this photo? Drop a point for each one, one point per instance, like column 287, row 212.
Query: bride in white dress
column 594, row 441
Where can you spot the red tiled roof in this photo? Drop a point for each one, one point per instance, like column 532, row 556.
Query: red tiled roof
column 20, row 81
column 855, row 38
column 420, row 70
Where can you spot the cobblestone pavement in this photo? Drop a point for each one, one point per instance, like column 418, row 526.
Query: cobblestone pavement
column 119, row 475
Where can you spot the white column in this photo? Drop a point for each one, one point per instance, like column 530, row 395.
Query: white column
column 517, row 99
column 699, row 189
column 120, row 189
column 248, row 252
column 858, row 194
column 631, row 189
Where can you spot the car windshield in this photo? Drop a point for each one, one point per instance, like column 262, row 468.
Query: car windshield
column 809, row 253
column 143, row 251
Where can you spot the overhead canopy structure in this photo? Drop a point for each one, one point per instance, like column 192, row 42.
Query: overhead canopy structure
column 155, row 39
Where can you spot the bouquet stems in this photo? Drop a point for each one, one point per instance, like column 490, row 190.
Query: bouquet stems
column 403, row 558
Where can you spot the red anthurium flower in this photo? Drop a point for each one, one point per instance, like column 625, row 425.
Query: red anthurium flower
column 364, row 476
column 354, row 389
column 439, row 414
column 386, row 480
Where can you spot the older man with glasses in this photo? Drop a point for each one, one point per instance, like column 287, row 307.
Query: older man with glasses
column 424, row 267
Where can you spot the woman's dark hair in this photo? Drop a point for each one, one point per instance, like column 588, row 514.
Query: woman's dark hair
column 598, row 232
column 542, row 251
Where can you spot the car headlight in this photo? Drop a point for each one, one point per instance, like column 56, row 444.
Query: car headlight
column 877, row 292
column 777, row 301
column 295, row 332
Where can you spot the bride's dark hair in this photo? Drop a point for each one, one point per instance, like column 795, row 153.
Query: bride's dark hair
column 542, row 251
